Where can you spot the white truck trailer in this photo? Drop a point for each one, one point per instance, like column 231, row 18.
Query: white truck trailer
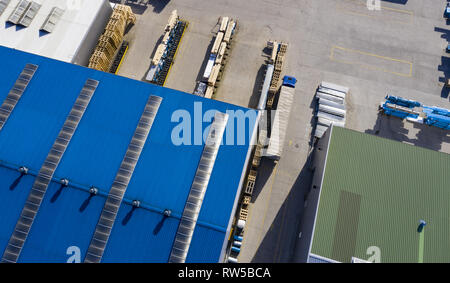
column 281, row 120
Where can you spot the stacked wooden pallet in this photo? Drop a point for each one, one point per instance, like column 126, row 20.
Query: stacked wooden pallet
column 166, row 51
column 331, row 107
column 111, row 39
column 218, row 58
column 257, row 156
column 278, row 68
column 251, row 179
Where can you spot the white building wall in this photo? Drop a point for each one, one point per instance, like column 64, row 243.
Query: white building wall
column 71, row 41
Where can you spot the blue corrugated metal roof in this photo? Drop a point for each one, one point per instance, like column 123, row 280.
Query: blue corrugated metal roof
column 162, row 177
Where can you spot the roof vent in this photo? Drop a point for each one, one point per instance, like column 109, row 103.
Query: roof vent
column 23, row 170
column 24, row 13
column 136, row 203
column 52, row 19
column 29, row 14
column 18, row 12
column 167, row 212
column 3, row 5
column 64, row 182
column 93, row 191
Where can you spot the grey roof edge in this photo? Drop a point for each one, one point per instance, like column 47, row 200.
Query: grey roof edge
column 328, row 260
column 330, row 131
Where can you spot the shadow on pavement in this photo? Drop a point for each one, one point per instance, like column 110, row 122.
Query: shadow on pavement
column 278, row 244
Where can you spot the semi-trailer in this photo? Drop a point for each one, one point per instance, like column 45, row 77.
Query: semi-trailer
column 281, row 120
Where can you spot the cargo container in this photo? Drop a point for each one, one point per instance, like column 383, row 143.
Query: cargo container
column 281, row 120
column 265, row 88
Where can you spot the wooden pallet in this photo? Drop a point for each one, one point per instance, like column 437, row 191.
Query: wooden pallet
column 283, row 49
column 257, row 156
column 243, row 214
column 251, row 180
column 113, row 37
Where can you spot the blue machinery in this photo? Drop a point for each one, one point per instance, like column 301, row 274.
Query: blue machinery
column 416, row 112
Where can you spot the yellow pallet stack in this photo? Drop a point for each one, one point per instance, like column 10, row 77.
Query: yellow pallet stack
column 111, row 39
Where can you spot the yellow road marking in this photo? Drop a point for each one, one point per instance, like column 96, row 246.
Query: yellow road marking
column 362, row 64
column 121, row 60
column 176, row 51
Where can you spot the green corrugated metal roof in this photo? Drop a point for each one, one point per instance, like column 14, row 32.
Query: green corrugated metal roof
column 374, row 193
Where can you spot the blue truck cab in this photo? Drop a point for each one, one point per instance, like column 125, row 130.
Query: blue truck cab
column 289, row 81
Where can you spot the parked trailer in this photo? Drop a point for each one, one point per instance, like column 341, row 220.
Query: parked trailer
column 281, row 120
column 265, row 88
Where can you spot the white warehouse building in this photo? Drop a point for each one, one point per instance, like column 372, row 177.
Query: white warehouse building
column 65, row 30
